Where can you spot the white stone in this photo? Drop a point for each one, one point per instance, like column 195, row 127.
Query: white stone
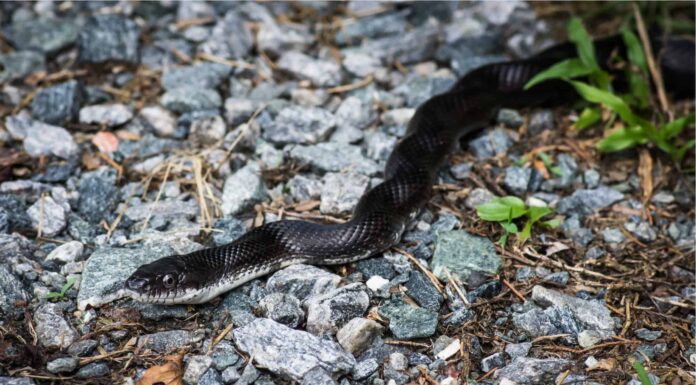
column 449, row 350
column 67, row 252
column 163, row 121
column 110, row 115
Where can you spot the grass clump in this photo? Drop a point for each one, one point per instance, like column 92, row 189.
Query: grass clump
column 507, row 209
column 60, row 295
column 628, row 128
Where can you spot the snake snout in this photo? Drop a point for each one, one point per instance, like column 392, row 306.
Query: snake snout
column 136, row 284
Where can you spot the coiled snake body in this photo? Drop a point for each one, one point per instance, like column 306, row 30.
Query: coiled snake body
column 382, row 213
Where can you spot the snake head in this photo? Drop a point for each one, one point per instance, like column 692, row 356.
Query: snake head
column 166, row 280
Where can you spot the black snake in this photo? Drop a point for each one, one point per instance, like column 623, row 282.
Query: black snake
column 382, row 213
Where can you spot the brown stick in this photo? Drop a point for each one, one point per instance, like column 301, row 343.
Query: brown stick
column 654, row 72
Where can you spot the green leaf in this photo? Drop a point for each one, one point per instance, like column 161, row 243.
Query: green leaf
column 53, row 294
column 621, row 139
column 583, row 43
column 510, row 227
column 536, row 213
column 674, row 128
column 588, row 117
column 68, row 285
column 642, row 374
column 503, row 240
column 551, row 223
column 502, row 209
column 526, row 232
column 681, row 152
column 566, row 69
column 634, row 49
column 611, row 101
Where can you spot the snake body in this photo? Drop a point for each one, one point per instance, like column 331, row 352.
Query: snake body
column 383, row 213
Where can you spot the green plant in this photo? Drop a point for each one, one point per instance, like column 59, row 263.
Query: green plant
column 506, row 209
column 633, row 130
column 642, row 373
column 66, row 286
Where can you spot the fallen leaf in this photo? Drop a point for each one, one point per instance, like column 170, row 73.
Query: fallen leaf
column 607, row 364
column 169, row 373
column 105, row 141
column 90, row 161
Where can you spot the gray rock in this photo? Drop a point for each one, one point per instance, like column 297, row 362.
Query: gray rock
column 612, row 235
column 328, row 312
column 270, row 157
column 360, row 64
column 302, row 281
column 358, row 334
column 223, row 354
column 584, row 202
column 16, row 381
column 98, row 194
column 188, row 98
column 278, row 38
column 541, row 121
column 196, row 366
column 518, row 350
column 240, row 110
column 231, row 229
column 380, row 25
column 19, row 64
column 94, row 369
column 572, row 228
column 589, row 338
column 462, row 254
column 243, row 189
column 376, row 266
column 592, row 178
column 109, row 37
column 166, row 341
column 322, row 73
column 210, row 377
column 249, row 375
column 335, row 157
column 642, row 230
column 11, row 293
column 229, row 39
column 478, row 197
column 107, row 268
column 422, row 290
column 57, row 104
column 203, row 75
column 109, row 115
column 365, row 368
column 297, row 124
column 282, row 308
column 41, row 138
column 303, row 188
column 491, row 143
column 290, row 353
column 510, row 118
column 52, row 329
column 461, row 171
column 318, row 376
column 417, row 89
column 82, row 348
column 496, row 360
column 591, row 314
column 560, row 278
column 534, row 323
column 48, row 216
column 414, row 46
column 647, row 335
column 62, row 365
column 341, row 192
column 165, row 209
column 230, row 375
column 408, row 322
column 517, row 179
column 47, row 35
column 532, row 371
column 67, row 252
column 380, row 145
column 207, row 131
column 162, row 121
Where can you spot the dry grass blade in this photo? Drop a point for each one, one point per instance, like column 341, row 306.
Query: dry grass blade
column 645, row 171
column 454, row 281
column 157, row 198
column 428, row 273
column 220, row 336
column 350, row 87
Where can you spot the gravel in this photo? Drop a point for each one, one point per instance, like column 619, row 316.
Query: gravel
column 106, row 115
column 328, row 312
column 356, row 335
column 407, row 321
column 58, row 104
column 321, row 73
column 52, row 329
column 41, row 138
column 462, row 254
column 109, row 37
column 243, row 189
column 341, row 192
column 11, row 292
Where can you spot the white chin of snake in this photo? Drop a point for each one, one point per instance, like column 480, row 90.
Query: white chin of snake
column 188, row 297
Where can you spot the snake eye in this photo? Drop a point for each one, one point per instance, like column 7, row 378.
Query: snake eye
column 168, row 281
